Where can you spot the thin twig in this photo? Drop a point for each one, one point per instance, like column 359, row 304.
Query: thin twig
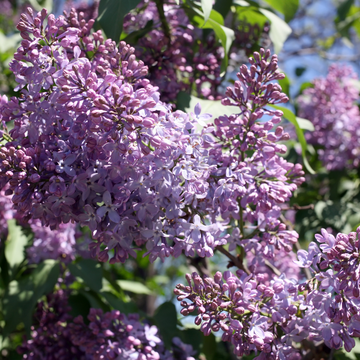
column 201, row 265
column 273, row 268
column 164, row 23
column 298, row 207
column 234, row 260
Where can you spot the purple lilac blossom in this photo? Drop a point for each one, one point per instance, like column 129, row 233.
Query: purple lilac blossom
column 331, row 105
column 178, row 61
column 52, row 244
column 106, row 336
column 283, row 261
column 47, row 243
column 92, row 143
column 267, row 317
column 50, row 337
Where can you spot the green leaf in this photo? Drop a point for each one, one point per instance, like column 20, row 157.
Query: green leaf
column 209, row 346
column 223, row 7
column 17, row 305
column 288, row 114
column 352, row 20
column 47, row 4
column 79, row 304
column 344, row 8
column 183, row 100
column 95, row 300
column 193, row 337
column 134, row 287
column 166, row 319
column 111, row 16
column 356, row 23
column 300, row 70
column 251, row 15
column 206, row 6
column 319, row 208
column 89, row 271
column 15, row 244
column 285, row 85
column 305, row 85
column 134, row 37
column 9, row 42
column 279, row 29
column 286, row 7
column 21, row 296
column 241, row 3
column 45, row 277
column 117, row 304
column 305, row 124
column 213, row 107
column 224, row 34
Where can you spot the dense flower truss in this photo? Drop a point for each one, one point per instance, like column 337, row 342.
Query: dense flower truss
column 46, row 243
column 331, row 105
column 50, row 338
column 106, row 336
column 251, row 180
column 92, row 143
column 256, row 314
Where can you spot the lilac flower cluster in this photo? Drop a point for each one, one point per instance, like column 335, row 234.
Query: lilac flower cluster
column 331, row 105
column 251, row 180
column 110, row 335
column 50, row 337
column 264, row 316
column 334, row 289
column 282, row 261
column 83, row 9
column 175, row 56
column 178, row 57
column 92, row 143
column 47, row 243
column 52, row 244
column 248, row 312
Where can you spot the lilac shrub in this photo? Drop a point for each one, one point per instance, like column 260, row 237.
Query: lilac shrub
column 92, row 143
column 331, row 105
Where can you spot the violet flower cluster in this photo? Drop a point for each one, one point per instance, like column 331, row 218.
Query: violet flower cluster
column 93, row 144
column 50, row 338
column 268, row 317
column 248, row 312
column 106, row 336
column 247, row 37
column 176, row 56
column 251, row 180
column 331, row 105
column 57, row 244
